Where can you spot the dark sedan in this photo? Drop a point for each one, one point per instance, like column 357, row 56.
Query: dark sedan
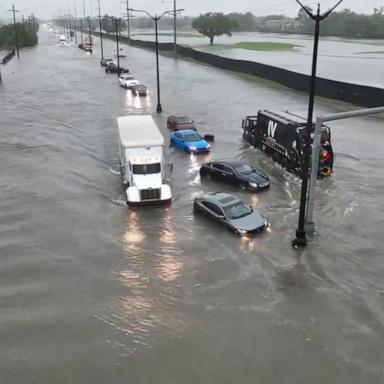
column 175, row 123
column 236, row 173
column 231, row 212
column 112, row 68
column 139, row 90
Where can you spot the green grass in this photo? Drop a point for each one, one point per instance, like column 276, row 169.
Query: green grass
column 265, row 46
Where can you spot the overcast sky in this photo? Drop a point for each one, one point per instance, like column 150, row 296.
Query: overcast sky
column 48, row 8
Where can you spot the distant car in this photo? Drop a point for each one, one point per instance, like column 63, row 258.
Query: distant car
column 175, row 123
column 140, row 90
column 231, row 212
column 127, row 81
column 236, row 173
column 190, row 141
column 106, row 62
column 112, row 68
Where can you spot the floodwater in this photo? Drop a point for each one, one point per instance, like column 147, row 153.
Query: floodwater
column 92, row 291
column 350, row 60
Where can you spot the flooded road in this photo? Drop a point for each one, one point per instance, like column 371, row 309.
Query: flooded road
column 92, row 291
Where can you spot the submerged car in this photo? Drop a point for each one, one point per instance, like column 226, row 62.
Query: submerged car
column 140, row 90
column 236, row 173
column 113, row 68
column 231, row 212
column 106, row 62
column 175, row 123
column 190, row 141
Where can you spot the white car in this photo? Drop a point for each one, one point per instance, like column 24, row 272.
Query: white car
column 128, row 81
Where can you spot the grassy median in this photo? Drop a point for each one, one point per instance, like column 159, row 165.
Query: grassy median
column 266, row 46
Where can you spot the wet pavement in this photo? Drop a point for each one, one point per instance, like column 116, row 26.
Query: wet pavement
column 92, row 291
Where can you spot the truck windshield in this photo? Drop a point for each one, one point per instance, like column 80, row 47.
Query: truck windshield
column 145, row 169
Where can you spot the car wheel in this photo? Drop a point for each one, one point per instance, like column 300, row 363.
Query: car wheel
column 203, row 173
column 243, row 187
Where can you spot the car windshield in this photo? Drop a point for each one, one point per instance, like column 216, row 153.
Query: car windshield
column 244, row 169
column 183, row 120
column 146, row 169
column 192, row 137
column 237, row 210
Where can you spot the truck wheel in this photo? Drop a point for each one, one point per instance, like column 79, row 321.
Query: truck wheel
column 251, row 139
column 292, row 161
column 275, row 157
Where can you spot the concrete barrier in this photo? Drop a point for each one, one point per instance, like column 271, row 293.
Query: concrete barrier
column 7, row 57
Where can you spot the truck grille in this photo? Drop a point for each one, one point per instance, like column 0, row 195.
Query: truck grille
column 150, row 194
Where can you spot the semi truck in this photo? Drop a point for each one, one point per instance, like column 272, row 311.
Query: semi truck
column 283, row 136
column 142, row 160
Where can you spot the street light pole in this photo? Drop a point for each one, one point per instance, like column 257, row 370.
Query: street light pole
column 81, row 30
column 117, row 47
column 128, row 22
column 75, row 20
column 101, row 34
column 158, row 108
column 300, row 239
column 174, row 28
column 156, row 18
column 13, row 10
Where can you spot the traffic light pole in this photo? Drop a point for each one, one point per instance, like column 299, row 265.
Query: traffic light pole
column 300, row 239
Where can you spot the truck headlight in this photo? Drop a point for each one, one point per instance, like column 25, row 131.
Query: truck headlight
column 242, row 232
column 254, row 185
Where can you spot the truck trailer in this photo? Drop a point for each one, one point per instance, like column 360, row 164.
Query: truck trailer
column 142, row 160
column 283, row 136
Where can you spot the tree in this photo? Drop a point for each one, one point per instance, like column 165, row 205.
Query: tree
column 109, row 26
column 214, row 24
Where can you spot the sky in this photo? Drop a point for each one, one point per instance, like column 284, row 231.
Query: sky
column 47, row 9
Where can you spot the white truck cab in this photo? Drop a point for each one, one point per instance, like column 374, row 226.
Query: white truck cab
column 142, row 160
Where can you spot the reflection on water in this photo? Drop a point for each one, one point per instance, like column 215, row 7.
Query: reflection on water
column 137, row 102
column 146, row 308
column 133, row 235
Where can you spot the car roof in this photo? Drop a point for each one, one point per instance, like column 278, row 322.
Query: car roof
column 187, row 131
column 221, row 198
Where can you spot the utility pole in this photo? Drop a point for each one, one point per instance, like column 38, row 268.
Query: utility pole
column 300, row 239
column 174, row 28
column 75, row 21
column 24, row 35
column 128, row 21
column 156, row 19
column 81, row 30
column 13, row 10
column 101, row 33
column 70, row 23
column 117, row 46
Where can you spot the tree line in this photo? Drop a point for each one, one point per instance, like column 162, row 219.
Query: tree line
column 26, row 33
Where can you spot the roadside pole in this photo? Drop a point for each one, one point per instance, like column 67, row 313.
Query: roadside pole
column 300, row 238
column 309, row 223
column 117, row 46
column 14, row 11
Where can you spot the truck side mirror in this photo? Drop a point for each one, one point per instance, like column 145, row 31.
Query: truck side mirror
column 242, row 124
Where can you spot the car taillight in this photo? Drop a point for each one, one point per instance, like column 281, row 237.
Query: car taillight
column 325, row 155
